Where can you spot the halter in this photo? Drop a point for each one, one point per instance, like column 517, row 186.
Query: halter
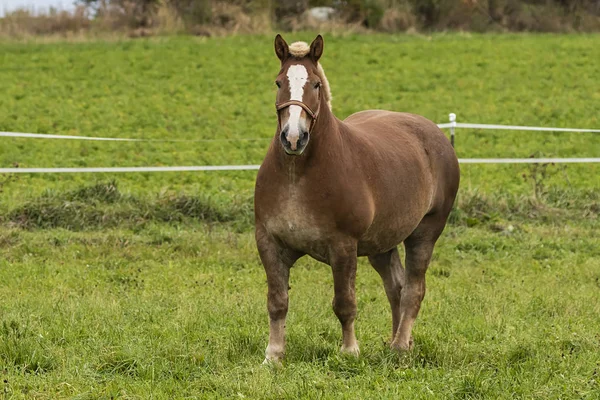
column 313, row 115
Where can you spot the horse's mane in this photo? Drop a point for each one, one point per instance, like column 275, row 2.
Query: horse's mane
column 301, row 50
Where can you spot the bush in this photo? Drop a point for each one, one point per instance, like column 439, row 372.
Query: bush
column 24, row 22
column 207, row 17
column 193, row 12
column 126, row 13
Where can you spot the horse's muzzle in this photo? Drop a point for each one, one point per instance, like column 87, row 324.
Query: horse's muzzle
column 294, row 145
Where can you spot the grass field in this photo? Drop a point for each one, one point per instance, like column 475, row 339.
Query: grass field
column 148, row 285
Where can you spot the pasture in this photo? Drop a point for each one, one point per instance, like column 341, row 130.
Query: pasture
column 149, row 285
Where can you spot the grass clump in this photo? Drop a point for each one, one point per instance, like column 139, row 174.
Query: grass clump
column 102, row 205
column 20, row 348
column 558, row 204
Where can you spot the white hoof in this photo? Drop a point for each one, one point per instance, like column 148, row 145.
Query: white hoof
column 400, row 346
column 351, row 350
column 276, row 362
column 273, row 355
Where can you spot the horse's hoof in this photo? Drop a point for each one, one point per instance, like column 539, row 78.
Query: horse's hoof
column 272, row 362
column 402, row 346
column 274, row 355
column 350, row 350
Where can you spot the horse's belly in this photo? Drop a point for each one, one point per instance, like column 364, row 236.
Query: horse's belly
column 383, row 242
column 388, row 232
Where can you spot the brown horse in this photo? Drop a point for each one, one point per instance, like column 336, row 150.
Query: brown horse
column 336, row 190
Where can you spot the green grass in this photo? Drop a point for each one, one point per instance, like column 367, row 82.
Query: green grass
column 149, row 285
column 188, row 88
column 172, row 312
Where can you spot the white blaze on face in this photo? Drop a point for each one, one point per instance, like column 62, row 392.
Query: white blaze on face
column 297, row 76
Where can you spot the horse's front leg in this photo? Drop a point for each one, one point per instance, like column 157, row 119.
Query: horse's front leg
column 343, row 264
column 277, row 261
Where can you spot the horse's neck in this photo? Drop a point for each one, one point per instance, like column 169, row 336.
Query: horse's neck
column 326, row 133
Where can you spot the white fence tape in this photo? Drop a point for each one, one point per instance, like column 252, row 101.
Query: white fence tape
column 255, row 167
column 587, row 160
column 130, row 169
column 49, row 136
column 442, row 126
column 520, row 128
column 452, row 125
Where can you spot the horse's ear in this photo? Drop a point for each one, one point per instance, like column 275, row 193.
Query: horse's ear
column 316, row 48
column 281, row 48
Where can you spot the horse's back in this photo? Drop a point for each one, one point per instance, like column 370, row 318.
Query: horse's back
column 397, row 125
column 412, row 139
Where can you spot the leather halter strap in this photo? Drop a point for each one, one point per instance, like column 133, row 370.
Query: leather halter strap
column 286, row 104
column 306, row 108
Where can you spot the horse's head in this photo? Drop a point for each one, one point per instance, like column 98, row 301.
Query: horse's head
column 299, row 95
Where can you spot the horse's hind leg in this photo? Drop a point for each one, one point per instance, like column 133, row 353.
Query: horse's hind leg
column 390, row 269
column 419, row 248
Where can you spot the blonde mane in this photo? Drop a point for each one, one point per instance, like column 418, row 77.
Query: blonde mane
column 301, row 50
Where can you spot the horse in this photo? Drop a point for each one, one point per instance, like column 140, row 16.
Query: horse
column 337, row 190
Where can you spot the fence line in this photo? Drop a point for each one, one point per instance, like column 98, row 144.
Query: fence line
column 522, row 128
column 452, row 124
column 255, row 167
column 49, row 136
column 584, row 160
column 130, row 169
column 105, row 139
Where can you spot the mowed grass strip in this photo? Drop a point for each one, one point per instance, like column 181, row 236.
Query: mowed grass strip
column 223, row 88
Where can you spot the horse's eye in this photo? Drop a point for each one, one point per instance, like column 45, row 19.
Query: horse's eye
column 278, row 84
column 317, row 85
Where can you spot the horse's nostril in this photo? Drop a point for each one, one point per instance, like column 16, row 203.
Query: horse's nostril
column 303, row 137
column 283, row 136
